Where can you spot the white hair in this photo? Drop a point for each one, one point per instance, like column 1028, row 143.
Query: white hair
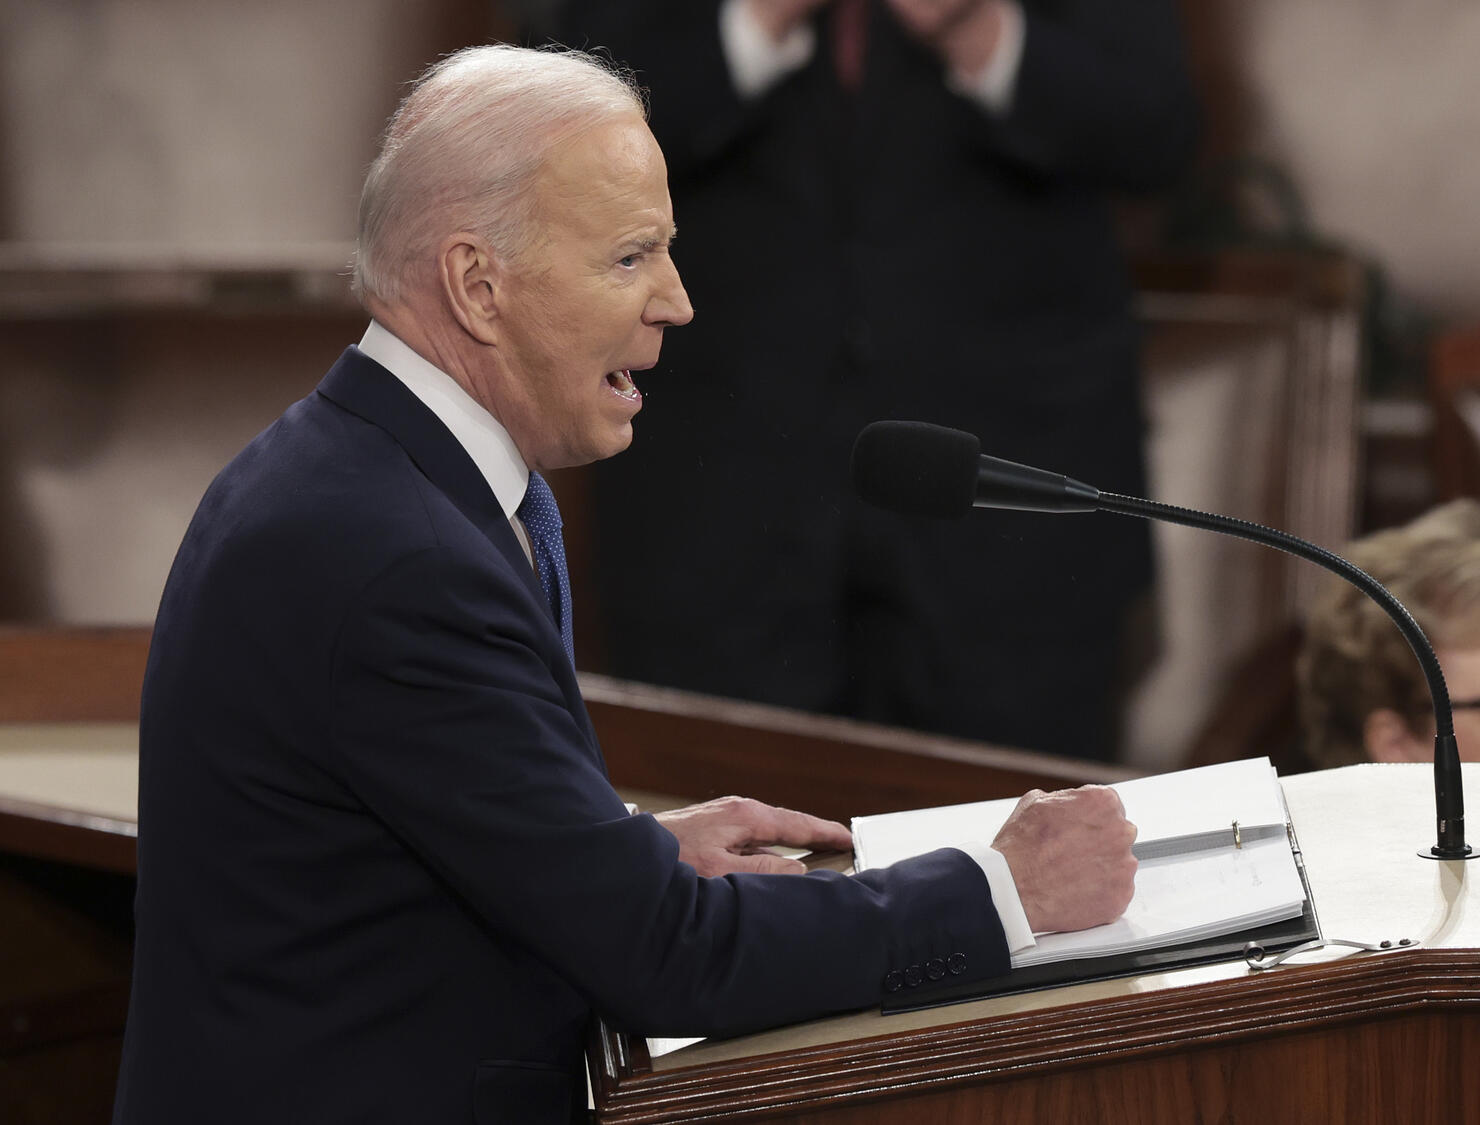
column 464, row 149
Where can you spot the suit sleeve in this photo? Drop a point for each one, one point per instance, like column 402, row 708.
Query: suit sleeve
column 451, row 729
column 1103, row 94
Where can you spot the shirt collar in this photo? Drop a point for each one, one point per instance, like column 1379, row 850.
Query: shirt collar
column 476, row 430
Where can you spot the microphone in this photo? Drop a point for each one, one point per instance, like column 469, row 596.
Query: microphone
column 918, row 469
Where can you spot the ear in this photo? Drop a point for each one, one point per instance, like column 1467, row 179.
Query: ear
column 470, row 277
column 1387, row 738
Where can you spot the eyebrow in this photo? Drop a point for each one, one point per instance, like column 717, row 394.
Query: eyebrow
column 651, row 242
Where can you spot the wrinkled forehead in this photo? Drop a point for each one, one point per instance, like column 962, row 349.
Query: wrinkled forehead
column 610, row 174
column 621, row 151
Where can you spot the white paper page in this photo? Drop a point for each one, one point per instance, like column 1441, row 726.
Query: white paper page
column 659, row 1047
column 1163, row 807
column 1188, row 802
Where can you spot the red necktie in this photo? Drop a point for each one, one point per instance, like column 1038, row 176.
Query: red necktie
column 849, row 41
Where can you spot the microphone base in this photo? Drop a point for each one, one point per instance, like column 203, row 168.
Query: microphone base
column 1436, row 852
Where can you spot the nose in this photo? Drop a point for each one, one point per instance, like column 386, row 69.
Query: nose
column 669, row 305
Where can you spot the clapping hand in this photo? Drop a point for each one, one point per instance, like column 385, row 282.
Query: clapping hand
column 963, row 32
column 780, row 17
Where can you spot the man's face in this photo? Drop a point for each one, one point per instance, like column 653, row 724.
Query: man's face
column 588, row 305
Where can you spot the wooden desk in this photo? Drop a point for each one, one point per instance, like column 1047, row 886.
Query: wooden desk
column 70, row 792
column 1383, row 1038
column 67, row 823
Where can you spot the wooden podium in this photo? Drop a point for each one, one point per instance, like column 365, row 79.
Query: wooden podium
column 1373, row 1038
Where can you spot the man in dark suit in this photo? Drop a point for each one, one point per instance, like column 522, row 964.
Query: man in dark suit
column 382, row 874
column 892, row 209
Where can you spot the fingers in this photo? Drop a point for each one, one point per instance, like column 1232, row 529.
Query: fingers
column 744, row 822
column 800, row 830
column 929, row 18
column 731, row 833
column 779, row 17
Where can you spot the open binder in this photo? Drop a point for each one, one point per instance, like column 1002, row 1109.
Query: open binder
column 1220, row 867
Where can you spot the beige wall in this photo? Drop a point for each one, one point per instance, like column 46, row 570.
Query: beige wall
column 232, row 127
column 170, row 132
column 1373, row 106
column 110, row 430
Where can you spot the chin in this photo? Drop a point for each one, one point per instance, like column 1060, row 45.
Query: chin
column 610, row 445
column 622, row 441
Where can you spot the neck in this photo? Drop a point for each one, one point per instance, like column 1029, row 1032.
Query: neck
column 440, row 342
column 431, row 332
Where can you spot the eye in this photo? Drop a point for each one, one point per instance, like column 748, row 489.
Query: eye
column 628, row 261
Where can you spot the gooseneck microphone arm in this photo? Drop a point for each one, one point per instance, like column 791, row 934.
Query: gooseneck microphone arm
column 1449, row 800
column 920, row 469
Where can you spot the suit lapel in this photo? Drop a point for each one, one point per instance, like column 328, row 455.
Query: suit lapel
column 364, row 388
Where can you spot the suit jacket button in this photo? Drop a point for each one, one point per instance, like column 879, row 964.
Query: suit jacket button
column 893, row 980
column 935, row 968
column 957, row 964
column 913, row 975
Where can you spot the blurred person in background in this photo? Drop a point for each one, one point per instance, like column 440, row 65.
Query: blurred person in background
column 890, row 208
column 1363, row 696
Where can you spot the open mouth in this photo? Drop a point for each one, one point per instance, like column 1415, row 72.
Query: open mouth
column 621, row 382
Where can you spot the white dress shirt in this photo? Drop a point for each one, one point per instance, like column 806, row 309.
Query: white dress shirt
column 476, row 430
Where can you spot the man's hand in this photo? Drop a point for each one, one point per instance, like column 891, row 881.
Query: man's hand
column 963, row 32
column 1070, row 855
column 732, row 834
column 780, row 17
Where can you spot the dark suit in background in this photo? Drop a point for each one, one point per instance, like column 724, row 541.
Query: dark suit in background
column 382, row 876
column 902, row 253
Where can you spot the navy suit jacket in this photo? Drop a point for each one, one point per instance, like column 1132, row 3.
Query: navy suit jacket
column 382, row 874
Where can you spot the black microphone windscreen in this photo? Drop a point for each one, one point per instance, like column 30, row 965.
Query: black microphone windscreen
column 916, row 468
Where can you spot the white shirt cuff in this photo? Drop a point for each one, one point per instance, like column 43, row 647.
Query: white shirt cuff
column 993, row 88
column 1004, row 896
column 756, row 63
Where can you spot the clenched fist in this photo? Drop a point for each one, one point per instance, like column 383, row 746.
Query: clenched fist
column 1070, row 854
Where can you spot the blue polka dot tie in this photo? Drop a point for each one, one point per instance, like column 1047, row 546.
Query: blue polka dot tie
column 541, row 518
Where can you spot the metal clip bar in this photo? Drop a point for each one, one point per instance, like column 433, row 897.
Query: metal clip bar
column 1255, row 954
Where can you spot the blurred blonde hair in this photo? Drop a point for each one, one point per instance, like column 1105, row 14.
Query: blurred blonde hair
column 1354, row 660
